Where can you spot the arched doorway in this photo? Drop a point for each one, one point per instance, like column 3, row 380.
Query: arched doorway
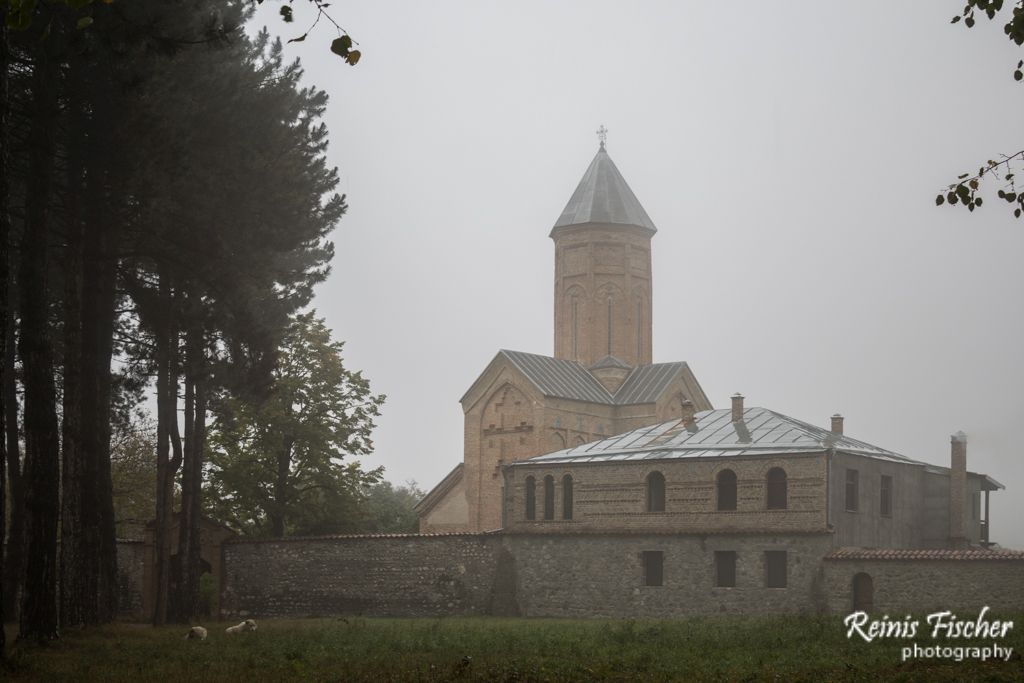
column 863, row 592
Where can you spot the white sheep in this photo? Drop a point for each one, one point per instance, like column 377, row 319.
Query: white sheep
column 247, row 625
column 196, row 633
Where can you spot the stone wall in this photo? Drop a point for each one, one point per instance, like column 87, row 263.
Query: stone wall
column 588, row 575
column 602, row 575
column 130, row 572
column 374, row 576
column 921, row 586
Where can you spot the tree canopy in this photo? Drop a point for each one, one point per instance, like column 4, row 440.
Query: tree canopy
column 285, row 465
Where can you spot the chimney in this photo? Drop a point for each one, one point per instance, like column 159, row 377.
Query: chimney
column 689, row 411
column 957, row 490
column 737, row 407
column 837, row 424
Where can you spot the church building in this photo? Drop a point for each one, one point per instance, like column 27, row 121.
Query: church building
column 599, row 439
column 601, row 380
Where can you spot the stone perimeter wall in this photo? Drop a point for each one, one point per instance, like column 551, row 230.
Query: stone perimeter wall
column 403, row 576
column 928, row 585
column 585, row 575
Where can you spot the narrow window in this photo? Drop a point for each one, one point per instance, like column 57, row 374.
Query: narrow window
column 609, row 326
column 567, row 497
column 725, row 568
column 776, row 481
column 654, row 565
column 852, row 490
column 775, row 569
column 531, row 498
column 726, row 490
column 639, row 330
column 655, row 492
column 575, row 328
column 549, row 497
column 886, row 502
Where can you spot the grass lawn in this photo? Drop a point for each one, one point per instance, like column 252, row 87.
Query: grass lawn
column 486, row 649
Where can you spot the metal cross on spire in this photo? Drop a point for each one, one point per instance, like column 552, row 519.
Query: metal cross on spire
column 602, row 135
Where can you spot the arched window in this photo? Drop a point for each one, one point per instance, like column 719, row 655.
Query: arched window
column 549, row 497
column 531, row 498
column 567, row 497
column 575, row 327
column 726, row 490
column 776, row 481
column 655, row 492
column 609, row 326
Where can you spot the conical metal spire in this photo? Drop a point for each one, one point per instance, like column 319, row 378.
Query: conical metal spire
column 604, row 197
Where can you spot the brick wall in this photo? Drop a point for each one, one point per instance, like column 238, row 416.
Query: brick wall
column 612, row 496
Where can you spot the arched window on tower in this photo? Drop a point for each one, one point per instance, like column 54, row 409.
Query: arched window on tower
column 531, row 498
column 567, row 497
column 776, row 481
column 549, row 497
column 575, row 327
column 655, row 492
column 639, row 330
column 726, row 490
column 609, row 325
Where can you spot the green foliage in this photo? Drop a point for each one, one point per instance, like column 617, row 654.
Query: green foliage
column 283, row 465
column 388, row 509
column 133, row 473
column 726, row 648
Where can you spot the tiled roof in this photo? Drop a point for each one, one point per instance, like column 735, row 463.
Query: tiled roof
column 560, row 378
column 714, row 434
column 604, row 197
column 933, row 554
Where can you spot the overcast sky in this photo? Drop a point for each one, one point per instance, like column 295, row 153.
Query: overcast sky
column 789, row 154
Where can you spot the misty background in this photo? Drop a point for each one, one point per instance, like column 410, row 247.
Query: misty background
column 789, row 155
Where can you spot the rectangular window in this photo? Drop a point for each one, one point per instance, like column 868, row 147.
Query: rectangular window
column 852, row 490
column 654, row 561
column 886, row 505
column 725, row 568
column 775, row 569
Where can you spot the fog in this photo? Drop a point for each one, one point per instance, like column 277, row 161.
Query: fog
column 789, row 155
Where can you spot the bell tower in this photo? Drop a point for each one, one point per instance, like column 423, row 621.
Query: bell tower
column 603, row 270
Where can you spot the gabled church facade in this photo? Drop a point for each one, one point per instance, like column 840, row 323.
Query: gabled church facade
column 601, row 380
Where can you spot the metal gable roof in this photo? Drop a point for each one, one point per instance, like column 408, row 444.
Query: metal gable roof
column 561, row 378
column 714, row 434
column 604, row 197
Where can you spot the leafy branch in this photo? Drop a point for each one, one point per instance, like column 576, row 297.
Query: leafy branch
column 341, row 46
column 964, row 190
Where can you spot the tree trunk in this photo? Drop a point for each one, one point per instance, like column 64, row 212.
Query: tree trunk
column 99, row 300
column 284, row 465
column 14, row 559
column 189, row 549
column 77, row 576
column 167, row 435
column 5, row 234
column 165, row 415
column 42, row 442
